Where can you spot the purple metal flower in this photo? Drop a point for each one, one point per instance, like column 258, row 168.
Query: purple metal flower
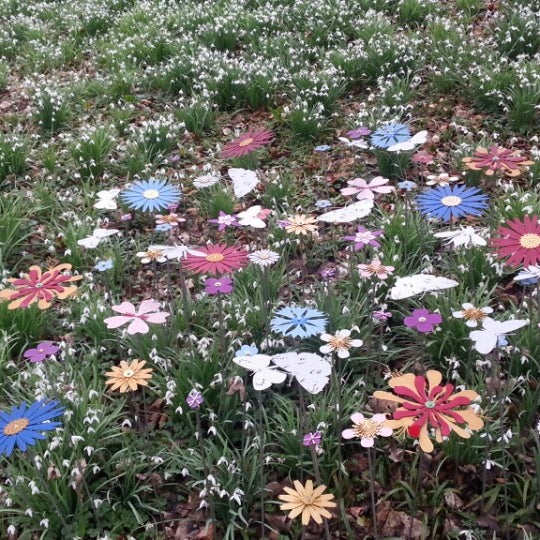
column 358, row 132
column 363, row 237
column 225, row 220
column 423, row 320
column 218, row 285
column 312, row 439
column 381, row 315
column 42, row 351
column 194, row 399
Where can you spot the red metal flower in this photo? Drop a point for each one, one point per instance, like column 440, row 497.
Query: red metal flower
column 216, row 259
column 520, row 241
column 246, row 143
column 40, row 287
column 497, row 159
column 428, row 404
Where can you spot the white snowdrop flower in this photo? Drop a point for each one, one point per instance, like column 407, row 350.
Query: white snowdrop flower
column 29, row 512
column 75, row 439
column 44, row 523
column 11, row 530
column 33, row 487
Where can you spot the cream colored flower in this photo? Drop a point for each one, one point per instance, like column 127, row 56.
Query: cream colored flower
column 301, row 224
column 339, row 343
column 305, row 500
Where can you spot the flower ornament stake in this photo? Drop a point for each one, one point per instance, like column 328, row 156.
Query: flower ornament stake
column 219, row 287
column 247, row 143
column 497, row 160
column 519, row 241
column 151, row 195
column 427, row 404
column 40, row 288
column 367, row 429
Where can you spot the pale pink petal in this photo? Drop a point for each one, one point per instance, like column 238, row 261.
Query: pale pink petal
column 365, row 194
column 379, row 418
column 357, row 418
column 367, row 442
column 148, row 306
column 158, row 318
column 343, row 353
column 115, row 322
column 358, row 182
column 348, row 434
column 385, row 431
column 137, row 326
column 124, row 307
column 356, row 342
column 383, row 189
column 349, row 191
column 326, row 349
column 378, row 181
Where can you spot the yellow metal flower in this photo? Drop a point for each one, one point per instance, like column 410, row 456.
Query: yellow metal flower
column 128, row 377
column 308, row 501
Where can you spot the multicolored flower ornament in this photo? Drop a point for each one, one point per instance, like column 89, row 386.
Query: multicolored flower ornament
column 427, row 404
column 138, row 320
column 246, row 143
column 496, row 159
column 23, row 425
column 519, row 241
column 40, row 287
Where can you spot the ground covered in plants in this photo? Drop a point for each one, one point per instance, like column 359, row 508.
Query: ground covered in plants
column 269, row 269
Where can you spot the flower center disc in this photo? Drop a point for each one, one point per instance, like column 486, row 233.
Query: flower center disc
column 530, row 241
column 430, row 404
column 218, row 284
column 215, row 257
column 474, row 314
column 151, row 194
column 340, row 342
column 16, row 426
column 246, row 142
column 128, row 373
column 368, row 428
column 422, row 319
column 451, row 200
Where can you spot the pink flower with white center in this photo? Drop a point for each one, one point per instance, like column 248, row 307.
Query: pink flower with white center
column 367, row 190
column 375, row 268
column 138, row 319
column 363, row 237
column 366, row 429
column 339, row 343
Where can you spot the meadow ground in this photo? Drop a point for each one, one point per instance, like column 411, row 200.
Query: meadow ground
column 269, row 269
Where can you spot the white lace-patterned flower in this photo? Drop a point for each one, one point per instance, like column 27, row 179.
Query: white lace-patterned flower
column 531, row 272
column 472, row 315
column 263, row 257
column 462, row 237
column 206, row 181
column 152, row 255
column 339, row 343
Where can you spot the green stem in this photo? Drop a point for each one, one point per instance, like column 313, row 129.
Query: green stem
column 372, row 493
column 261, row 462
column 318, row 478
column 206, row 468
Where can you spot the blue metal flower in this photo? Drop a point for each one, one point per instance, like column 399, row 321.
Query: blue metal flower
column 23, row 425
column 390, row 134
column 448, row 202
column 296, row 321
column 246, row 350
column 151, row 195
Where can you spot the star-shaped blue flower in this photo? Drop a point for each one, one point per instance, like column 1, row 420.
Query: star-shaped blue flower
column 296, row 321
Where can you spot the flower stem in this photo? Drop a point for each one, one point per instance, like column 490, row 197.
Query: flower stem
column 261, row 461
column 372, row 493
column 317, row 472
column 206, row 468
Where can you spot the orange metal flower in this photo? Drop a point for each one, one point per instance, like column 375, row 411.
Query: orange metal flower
column 40, row 287
column 496, row 159
column 425, row 404
column 129, row 376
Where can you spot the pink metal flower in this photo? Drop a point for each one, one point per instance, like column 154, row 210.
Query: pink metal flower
column 375, row 268
column 423, row 320
column 367, row 190
column 138, row 319
column 366, row 429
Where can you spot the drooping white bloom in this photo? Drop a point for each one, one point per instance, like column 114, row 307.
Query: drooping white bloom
column 462, row 237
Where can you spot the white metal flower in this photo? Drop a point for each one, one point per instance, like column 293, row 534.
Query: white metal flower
column 462, row 237
column 339, row 343
column 471, row 314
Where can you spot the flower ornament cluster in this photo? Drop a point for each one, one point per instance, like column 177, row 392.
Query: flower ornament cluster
column 40, row 288
column 427, row 405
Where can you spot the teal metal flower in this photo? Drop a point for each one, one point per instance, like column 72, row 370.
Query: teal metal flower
column 295, row 321
column 23, row 425
column 151, row 195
